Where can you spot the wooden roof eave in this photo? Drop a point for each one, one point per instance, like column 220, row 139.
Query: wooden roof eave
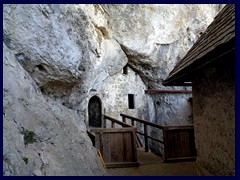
column 219, row 33
column 185, row 76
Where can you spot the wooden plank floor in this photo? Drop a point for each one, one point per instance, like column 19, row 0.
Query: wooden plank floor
column 153, row 165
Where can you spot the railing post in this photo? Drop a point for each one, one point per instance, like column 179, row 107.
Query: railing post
column 146, row 137
column 113, row 124
column 165, row 144
column 104, row 122
column 124, row 119
column 132, row 122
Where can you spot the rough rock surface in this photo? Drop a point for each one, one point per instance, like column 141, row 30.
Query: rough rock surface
column 73, row 52
column 155, row 37
column 58, row 144
column 169, row 109
column 69, row 49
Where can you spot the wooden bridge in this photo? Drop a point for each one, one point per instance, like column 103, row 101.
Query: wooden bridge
column 118, row 141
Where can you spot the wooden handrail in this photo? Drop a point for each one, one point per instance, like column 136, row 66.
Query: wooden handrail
column 143, row 121
column 167, row 91
column 188, row 126
column 116, row 121
column 151, row 137
column 158, row 125
column 123, row 124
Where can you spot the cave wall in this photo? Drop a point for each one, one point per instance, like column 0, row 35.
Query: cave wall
column 172, row 108
column 73, row 52
column 40, row 137
column 70, row 49
column 155, row 37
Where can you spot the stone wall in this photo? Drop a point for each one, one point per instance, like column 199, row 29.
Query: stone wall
column 214, row 119
column 115, row 95
column 172, row 108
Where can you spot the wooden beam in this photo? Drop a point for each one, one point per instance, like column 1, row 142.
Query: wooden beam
column 143, row 121
column 160, row 141
column 122, row 164
column 167, row 91
column 112, row 130
column 180, row 159
column 117, row 121
column 146, row 137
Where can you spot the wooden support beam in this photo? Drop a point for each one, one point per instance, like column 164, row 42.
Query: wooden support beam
column 167, row 91
column 124, row 119
column 117, row 121
column 122, row 164
column 104, row 122
column 143, row 121
column 146, row 137
column 113, row 124
column 132, row 122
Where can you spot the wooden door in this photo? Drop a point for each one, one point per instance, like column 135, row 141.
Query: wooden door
column 95, row 112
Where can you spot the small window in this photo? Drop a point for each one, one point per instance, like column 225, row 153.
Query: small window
column 125, row 69
column 131, row 101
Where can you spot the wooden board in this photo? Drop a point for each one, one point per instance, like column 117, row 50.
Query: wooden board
column 179, row 144
column 117, row 146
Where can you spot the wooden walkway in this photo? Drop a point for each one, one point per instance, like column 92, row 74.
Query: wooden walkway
column 153, row 165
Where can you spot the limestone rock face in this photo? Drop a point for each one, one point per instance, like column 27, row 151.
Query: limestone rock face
column 71, row 48
column 41, row 137
column 155, row 37
column 61, row 46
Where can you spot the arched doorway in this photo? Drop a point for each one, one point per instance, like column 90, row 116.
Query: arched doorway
column 95, row 112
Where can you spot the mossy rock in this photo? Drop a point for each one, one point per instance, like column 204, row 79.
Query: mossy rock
column 28, row 136
column 25, row 159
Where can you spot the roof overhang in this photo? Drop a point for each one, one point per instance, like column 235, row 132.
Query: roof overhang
column 216, row 44
column 186, row 75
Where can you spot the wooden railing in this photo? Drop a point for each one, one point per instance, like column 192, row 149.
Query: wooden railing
column 144, row 122
column 145, row 131
column 113, row 122
column 178, row 141
column 117, row 145
column 123, row 124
